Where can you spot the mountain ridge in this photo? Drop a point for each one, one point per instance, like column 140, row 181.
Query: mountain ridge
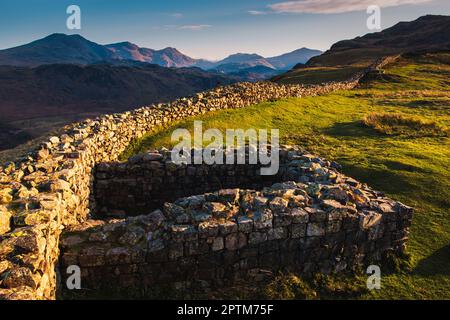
column 62, row 48
column 427, row 33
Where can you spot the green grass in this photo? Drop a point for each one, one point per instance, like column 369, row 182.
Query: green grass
column 414, row 170
column 399, row 124
column 316, row 75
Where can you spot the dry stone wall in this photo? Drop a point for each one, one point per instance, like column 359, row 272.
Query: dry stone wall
column 315, row 220
column 50, row 188
column 149, row 180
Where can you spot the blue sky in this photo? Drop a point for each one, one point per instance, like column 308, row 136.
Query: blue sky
column 208, row 28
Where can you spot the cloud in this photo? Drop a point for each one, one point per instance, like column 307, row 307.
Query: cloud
column 195, row 27
column 176, row 15
column 257, row 13
column 335, row 6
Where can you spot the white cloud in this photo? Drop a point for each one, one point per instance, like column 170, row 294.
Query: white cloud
column 335, row 6
column 195, row 27
column 257, row 13
column 177, row 15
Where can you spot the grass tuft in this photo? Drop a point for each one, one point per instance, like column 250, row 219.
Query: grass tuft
column 399, row 124
column 289, row 287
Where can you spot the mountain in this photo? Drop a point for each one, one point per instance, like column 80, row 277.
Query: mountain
column 256, row 73
column 237, row 62
column 427, row 33
column 289, row 60
column 35, row 100
column 249, row 60
column 168, row 57
column 430, row 33
column 74, row 49
column 56, row 48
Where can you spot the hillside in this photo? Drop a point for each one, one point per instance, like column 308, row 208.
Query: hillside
column 35, row 100
column 426, row 34
column 408, row 162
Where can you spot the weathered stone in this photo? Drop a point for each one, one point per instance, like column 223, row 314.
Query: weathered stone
column 257, row 237
column 72, row 240
column 5, row 195
column 245, row 224
column 229, row 195
column 118, row 256
column 299, row 215
column 217, row 244
column 263, row 219
column 216, row 209
column 155, row 219
column 19, row 277
column 176, row 250
column 5, row 220
column 298, row 230
column 235, row 241
column 93, row 256
column 208, row 229
column 278, row 205
column 277, row 233
column 132, row 236
column 315, row 230
column 228, row 227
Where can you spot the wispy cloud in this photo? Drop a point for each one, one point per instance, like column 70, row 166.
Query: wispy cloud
column 195, row 27
column 335, row 6
column 258, row 13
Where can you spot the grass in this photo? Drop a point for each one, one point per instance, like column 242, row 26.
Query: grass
column 398, row 124
column 412, row 169
column 316, row 75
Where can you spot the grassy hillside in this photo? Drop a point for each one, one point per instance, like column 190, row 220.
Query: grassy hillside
column 317, row 75
column 408, row 162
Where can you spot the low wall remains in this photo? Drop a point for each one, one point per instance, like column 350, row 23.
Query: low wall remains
column 321, row 221
column 149, row 180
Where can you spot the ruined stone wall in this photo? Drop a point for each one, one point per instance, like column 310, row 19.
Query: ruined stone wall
column 149, row 180
column 317, row 220
column 50, row 188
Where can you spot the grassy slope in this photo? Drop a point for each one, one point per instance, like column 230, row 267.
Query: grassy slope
column 413, row 170
column 316, row 75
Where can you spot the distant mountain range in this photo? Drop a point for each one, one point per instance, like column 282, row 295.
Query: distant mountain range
column 63, row 78
column 74, row 49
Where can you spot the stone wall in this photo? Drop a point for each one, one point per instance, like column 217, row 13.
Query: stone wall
column 322, row 221
column 50, row 188
column 149, row 180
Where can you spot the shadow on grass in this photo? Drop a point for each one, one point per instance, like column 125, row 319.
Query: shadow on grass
column 395, row 165
column 383, row 180
column 355, row 129
column 436, row 264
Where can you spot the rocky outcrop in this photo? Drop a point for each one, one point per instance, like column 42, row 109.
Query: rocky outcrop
column 50, row 189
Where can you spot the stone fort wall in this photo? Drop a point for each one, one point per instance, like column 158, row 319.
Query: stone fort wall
column 50, row 189
column 314, row 219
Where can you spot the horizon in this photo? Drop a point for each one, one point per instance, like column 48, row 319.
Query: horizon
column 210, row 31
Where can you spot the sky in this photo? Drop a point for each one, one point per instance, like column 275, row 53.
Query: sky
column 209, row 29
